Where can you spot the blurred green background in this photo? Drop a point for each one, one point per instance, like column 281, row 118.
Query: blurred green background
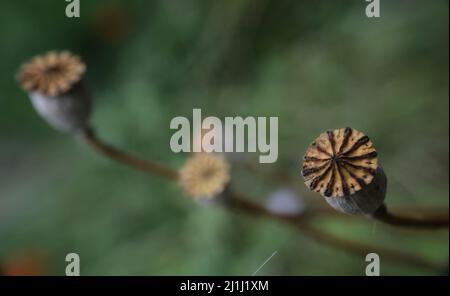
column 315, row 64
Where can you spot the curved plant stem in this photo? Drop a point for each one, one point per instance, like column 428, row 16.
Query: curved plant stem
column 238, row 202
column 364, row 249
column 89, row 136
column 383, row 215
column 429, row 219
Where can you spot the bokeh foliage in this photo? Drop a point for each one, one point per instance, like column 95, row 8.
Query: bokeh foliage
column 315, row 64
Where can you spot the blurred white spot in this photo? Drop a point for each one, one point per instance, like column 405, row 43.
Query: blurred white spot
column 285, row 201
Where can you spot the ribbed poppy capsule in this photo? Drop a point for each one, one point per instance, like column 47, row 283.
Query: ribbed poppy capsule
column 342, row 165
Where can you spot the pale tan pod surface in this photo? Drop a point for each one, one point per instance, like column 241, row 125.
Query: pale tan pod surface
column 205, row 175
column 54, row 82
column 340, row 163
column 52, row 73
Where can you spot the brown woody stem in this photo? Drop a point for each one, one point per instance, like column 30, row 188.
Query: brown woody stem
column 89, row 136
column 238, row 202
column 383, row 215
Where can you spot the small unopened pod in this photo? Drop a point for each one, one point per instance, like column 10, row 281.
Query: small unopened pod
column 342, row 165
column 56, row 89
column 205, row 176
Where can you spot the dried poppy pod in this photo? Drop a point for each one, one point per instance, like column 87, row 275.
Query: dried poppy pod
column 205, row 175
column 342, row 166
column 55, row 87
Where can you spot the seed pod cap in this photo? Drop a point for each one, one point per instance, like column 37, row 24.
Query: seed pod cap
column 342, row 165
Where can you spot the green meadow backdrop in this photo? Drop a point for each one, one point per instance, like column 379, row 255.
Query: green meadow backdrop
column 315, row 64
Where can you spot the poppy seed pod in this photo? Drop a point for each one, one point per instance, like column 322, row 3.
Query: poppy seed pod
column 342, row 165
column 56, row 89
column 205, row 176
